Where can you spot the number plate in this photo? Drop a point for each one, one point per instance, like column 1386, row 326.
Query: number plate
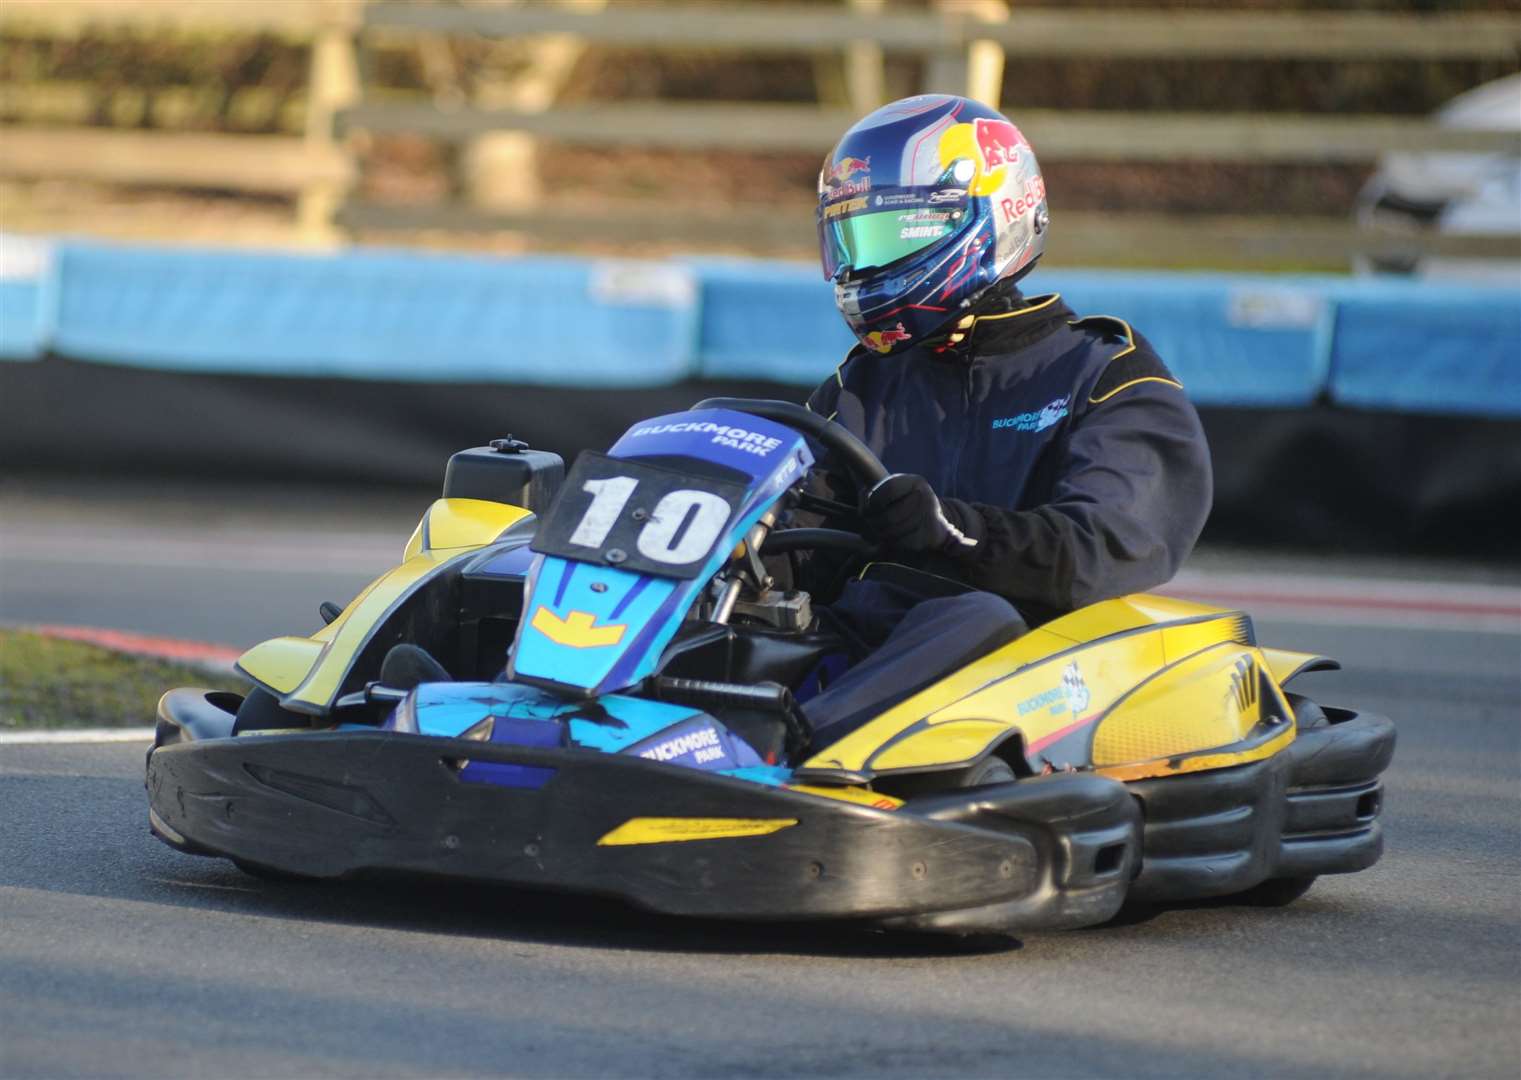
column 639, row 517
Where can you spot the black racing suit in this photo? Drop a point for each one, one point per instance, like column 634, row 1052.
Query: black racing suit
column 1063, row 445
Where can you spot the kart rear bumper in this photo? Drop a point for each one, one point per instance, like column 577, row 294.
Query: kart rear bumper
column 1311, row 809
column 1057, row 852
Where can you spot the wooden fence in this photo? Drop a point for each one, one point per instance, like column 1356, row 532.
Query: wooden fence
column 312, row 168
column 963, row 44
column 948, row 39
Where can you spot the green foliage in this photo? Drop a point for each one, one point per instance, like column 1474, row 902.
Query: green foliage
column 49, row 683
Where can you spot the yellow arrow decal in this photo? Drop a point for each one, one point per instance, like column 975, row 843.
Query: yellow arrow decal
column 578, row 629
column 675, row 830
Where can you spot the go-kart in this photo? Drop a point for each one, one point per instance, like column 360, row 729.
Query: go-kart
column 590, row 682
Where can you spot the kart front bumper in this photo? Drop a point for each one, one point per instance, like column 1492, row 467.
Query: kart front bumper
column 1312, row 809
column 1044, row 854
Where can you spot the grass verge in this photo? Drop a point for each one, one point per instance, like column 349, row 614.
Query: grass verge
column 49, row 683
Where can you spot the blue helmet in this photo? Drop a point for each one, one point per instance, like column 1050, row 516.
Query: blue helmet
column 922, row 206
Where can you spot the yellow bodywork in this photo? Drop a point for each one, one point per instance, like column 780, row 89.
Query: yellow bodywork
column 1283, row 665
column 1138, row 686
column 306, row 673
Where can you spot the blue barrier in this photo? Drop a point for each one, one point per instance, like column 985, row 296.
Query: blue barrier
column 773, row 321
column 1234, row 340
column 20, row 322
column 1247, row 341
column 1439, row 349
column 378, row 315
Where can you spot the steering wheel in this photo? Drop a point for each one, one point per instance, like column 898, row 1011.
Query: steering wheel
column 861, row 465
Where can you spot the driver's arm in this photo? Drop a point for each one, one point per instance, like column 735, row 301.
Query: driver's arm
column 1133, row 492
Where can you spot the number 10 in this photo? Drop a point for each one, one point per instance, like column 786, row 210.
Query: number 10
column 682, row 527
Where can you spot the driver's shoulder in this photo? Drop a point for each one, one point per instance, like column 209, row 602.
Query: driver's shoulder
column 1117, row 358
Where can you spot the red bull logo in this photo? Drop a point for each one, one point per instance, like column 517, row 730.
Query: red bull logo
column 1034, row 194
column 999, row 142
column 846, row 168
column 991, row 145
column 882, row 341
column 840, row 178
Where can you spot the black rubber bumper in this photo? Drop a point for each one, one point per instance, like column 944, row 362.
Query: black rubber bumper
column 1312, row 809
column 1033, row 855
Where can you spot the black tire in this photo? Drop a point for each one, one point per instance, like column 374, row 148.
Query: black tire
column 990, row 770
column 261, row 711
column 1307, row 714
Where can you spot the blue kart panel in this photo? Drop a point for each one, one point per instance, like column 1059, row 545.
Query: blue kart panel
column 616, row 724
column 590, row 627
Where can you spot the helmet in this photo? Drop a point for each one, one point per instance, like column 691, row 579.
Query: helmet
column 922, row 206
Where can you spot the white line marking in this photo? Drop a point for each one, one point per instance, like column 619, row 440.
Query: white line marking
column 204, row 885
column 76, row 735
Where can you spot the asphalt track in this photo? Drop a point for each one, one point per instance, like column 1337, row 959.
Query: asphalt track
column 120, row 957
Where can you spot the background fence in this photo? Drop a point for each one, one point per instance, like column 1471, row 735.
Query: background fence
column 488, row 127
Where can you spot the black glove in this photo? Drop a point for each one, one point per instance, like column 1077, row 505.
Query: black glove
column 905, row 513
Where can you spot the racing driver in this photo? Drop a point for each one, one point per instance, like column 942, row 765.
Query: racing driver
column 1044, row 460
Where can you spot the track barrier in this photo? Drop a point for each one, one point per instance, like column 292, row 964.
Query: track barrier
column 1378, row 410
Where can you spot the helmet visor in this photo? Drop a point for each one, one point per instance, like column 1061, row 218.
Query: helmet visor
column 856, row 234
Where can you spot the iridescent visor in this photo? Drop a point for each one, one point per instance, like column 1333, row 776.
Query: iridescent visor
column 879, row 228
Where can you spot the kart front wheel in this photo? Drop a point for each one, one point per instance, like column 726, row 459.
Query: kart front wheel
column 261, row 711
column 990, row 770
column 1307, row 714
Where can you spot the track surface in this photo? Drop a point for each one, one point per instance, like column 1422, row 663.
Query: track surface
column 119, row 956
